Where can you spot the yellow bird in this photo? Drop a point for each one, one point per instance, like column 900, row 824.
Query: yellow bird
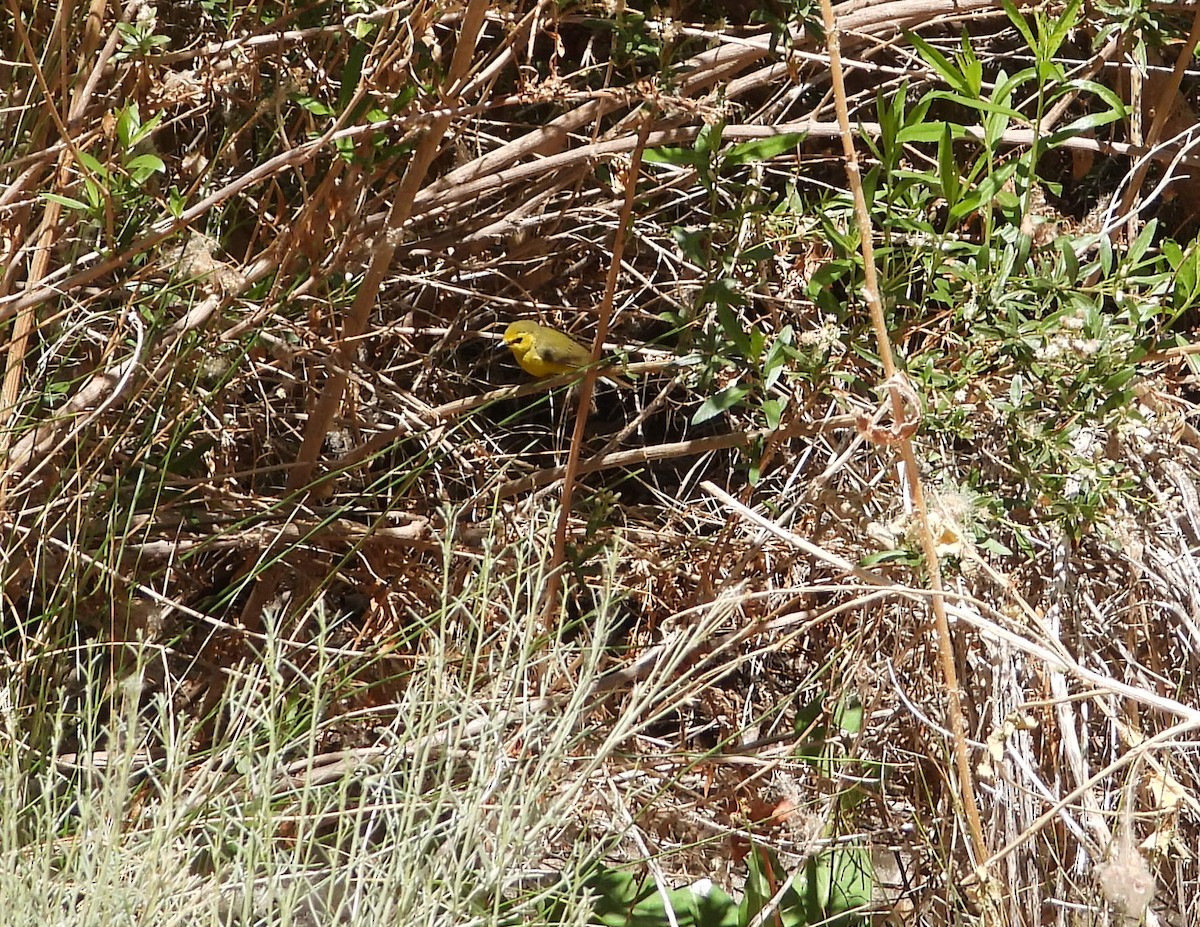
column 545, row 352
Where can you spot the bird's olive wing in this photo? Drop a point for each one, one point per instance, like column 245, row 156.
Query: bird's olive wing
column 571, row 354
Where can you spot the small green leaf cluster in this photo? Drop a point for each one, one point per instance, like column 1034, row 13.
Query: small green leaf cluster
column 355, row 108
column 1022, row 328
column 140, row 38
column 116, row 189
column 1030, row 336
column 737, row 351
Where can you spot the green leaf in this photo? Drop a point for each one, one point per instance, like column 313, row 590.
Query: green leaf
column 807, row 715
column 668, row 154
column 143, row 166
column 363, row 27
column 772, row 410
column 919, row 111
column 708, row 139
column 176, row 202
column 827, row 274
column 1105, row 255
column 929, row 132
column 990, row 190
column 758, row 341
column 128, row 121
column 996, row 123
column 1187, row 278
column 616, row 894
column 970, row 67
column 1018, row 20
column 692, row 242
column 763, row 149
column 1142, row 243
column 314, row 106
column 780, row 353
column 627, row 900
column 1063, row 22
column 703, row 904
column 939, row 62
column 756, row 254
column 351, row 73
column 948, row 168
column 725, row 295
column 1081, row 126
column 984, row 106
column 95, row 194
column 848, row 715
column 66, row 201
column 992, row 546
column 764, row 876
column 891, row 119
column 887, row 556
column 1070, row 260
column 1115, row 103
column 145, row 130
column 841, row 881
column 94, row 166
column 720, row 402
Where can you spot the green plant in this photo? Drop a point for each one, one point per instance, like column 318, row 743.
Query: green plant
column 118, row 191
column 738, row 361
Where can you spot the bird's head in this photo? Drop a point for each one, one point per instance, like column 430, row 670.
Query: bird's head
column 520, row 336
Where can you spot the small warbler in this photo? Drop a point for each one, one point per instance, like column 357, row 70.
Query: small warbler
column 543, row 351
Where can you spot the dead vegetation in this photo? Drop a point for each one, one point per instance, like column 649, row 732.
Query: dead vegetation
column 257, row 260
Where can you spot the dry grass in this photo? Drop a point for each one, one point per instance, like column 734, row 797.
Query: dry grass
column 285, row 586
